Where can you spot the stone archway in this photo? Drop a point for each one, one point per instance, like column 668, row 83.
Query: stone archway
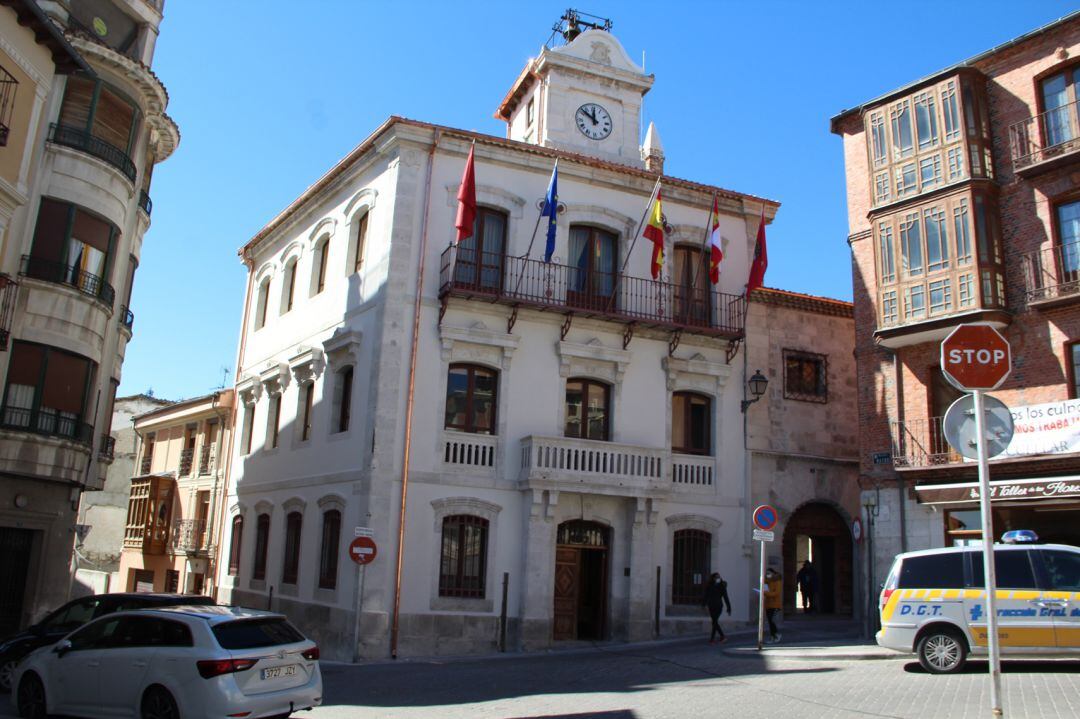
column 817, row 528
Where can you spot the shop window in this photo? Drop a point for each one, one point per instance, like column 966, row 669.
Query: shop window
column 471, row 392
column 691, row 423
column 290, row 567
column 691, row 563
column 588, row 409
column 328, row 556
column 805, row 376
column 47, row 391
column 463, row 560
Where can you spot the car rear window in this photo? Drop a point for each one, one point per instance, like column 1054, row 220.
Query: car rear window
column 256, row 633
column 933, row 571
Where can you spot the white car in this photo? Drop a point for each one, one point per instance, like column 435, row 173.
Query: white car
column 194, row 662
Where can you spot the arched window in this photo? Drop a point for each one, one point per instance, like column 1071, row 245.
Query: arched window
column 343, row 382
column 463, row 562
column 235, row 538
column 262, row 541
column 290, row 566
column 328, row 556
column 690, row 565
column 322, row 254
column 288, row 287
column 471, row 398
column 691, row 423
column 588, row 409
column 360, row 244
column 479, row 264
column 261, row 303
column 594, row 257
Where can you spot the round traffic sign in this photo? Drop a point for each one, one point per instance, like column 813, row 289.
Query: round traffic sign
column 362, row 550
column 766, row 517
column 959, row 426
column 976, row 357
column 856, row 529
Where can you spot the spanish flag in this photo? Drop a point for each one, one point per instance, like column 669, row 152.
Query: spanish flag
column 654, row 231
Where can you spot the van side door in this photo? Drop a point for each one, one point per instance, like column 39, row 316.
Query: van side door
column 1061, row 569
column 1024, row 623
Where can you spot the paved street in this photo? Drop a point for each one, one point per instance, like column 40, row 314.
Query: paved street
column 802, row 679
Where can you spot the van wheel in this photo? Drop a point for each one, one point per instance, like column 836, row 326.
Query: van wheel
column 941, row 651
column 158, row 703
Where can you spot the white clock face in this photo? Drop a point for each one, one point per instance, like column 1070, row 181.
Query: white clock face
column 593, row 121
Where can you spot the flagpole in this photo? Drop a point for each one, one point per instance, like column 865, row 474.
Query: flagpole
column 746, row 287
column 648, row 209
column 528, row 252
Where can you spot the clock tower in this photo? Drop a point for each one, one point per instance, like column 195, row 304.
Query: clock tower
column 584, row 96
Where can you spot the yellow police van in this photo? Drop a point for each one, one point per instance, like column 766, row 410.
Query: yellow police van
column 934, row 602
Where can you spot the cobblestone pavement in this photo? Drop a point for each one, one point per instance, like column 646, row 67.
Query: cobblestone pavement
column 686, row 679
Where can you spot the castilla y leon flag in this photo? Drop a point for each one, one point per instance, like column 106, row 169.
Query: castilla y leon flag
column 716, row 254
column 466, row 195
column 761, row 259
column 654, row 231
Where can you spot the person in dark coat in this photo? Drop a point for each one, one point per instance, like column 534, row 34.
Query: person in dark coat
column 716, row 599
column 807, row 579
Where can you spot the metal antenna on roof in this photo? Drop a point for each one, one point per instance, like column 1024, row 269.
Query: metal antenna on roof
column 224, row 376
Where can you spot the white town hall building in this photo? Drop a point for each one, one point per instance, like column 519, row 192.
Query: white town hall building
column 570, row 432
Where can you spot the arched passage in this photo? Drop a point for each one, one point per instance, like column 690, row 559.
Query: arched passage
column 816, row 531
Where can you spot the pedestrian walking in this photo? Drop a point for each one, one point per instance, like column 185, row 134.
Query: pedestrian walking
column 715, row 599
column 807, row 579
column 773, row 601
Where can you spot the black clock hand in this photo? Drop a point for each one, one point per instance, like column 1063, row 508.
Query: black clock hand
column 592, row 115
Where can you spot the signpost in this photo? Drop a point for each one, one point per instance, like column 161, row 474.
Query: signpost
column 363, row 551
column 765, row 518
column 977, row 358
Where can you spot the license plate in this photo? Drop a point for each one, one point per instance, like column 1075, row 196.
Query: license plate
column 275, row 672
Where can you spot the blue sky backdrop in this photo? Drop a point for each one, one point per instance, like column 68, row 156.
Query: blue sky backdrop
column 270, row 93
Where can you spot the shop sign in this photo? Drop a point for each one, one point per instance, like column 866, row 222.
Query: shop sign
column 1021, row 489
column 1050, row 428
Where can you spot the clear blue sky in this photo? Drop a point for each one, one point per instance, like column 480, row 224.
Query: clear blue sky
column 269, row 94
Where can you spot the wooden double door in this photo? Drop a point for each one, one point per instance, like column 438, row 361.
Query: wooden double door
column 581, row 581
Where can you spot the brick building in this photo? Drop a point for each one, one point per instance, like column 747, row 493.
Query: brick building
column 963, row 195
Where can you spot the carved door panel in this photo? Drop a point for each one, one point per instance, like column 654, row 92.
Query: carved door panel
column 567, row 585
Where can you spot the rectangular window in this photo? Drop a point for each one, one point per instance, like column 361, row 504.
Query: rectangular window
column 691, row 423
column 290, row 288
column 889, row 314
column 463, row 557
column 950, row 112
column 290, row 565
column 886, row 259
column 328, row 556
column 881, row 187
column 343, row 399
column 956, row 163
column 47, row 392
column 690, row 566
column 911, row 248
column 929, row 171
column 236, row 538
column 962, row 231
column 361, row 243
column 877, row 139
column 587, row 409
column 471, row 399
column 902, row 141
column 805, row 376
column 262, row 542
column 937, row 240
column 74, row 247
column 308, row 396
column 274, row 420
column 323, row 256
column 940, row 296
column 530, row 112
column 914, row 303
column 906, row 183
column 926, row 120
column 1067, row 216
column 249, row 427
column 988, row 288
column 965, row 287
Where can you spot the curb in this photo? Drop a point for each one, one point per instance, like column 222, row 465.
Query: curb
column 811, row 652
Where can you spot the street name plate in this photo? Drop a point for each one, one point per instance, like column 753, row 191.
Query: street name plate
column 761, row 535
column 363, row 532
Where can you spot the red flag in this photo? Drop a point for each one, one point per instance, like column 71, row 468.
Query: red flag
column 716, row 255
column 761, row 259
column 466, row 195
column 654, row 231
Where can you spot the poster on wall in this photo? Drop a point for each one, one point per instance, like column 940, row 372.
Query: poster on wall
column 1050, row 428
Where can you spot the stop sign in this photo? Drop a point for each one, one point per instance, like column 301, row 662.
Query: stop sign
column 976, row 357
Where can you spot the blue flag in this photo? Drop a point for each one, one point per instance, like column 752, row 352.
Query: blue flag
column 551, row 209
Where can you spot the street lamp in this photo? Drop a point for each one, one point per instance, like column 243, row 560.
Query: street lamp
column 757, row 383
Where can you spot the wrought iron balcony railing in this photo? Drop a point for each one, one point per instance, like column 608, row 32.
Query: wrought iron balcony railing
column 206, row 459
column 144, row 203
column 8, row 290
column 107, row 451
column 61, row 274
column 47, row 422
column 8, row 87
column 80, row 139
column 921, row 443
column 1046, row 136
column 190, row 536
column 520, row 281
column 186, row 458
column 1052, row 273
column 127, row 317
column 144, row 465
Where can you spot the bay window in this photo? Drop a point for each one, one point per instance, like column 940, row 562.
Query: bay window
column 74, row 247
column 46, row 392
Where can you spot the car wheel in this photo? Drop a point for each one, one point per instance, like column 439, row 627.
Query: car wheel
column 158, row 703
column 7, row 673
column 942, row 651
column 31, row 698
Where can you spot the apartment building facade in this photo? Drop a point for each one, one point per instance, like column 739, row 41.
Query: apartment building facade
column 177, row 494
column 91, row 134
column 964, row 206
column 569, row 433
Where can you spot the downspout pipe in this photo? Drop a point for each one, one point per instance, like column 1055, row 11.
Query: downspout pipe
column 410, row 399
column 900, row 487
column 214, row 557
column 232, row 425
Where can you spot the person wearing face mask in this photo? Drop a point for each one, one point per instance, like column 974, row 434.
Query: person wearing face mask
column 715, row 599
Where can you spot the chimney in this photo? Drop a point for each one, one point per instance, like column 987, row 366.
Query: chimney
column 652, row 152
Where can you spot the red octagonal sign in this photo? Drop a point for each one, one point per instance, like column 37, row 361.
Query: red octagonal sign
column 976, row 357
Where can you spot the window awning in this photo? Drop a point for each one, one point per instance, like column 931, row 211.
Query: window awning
column 1002, row 491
